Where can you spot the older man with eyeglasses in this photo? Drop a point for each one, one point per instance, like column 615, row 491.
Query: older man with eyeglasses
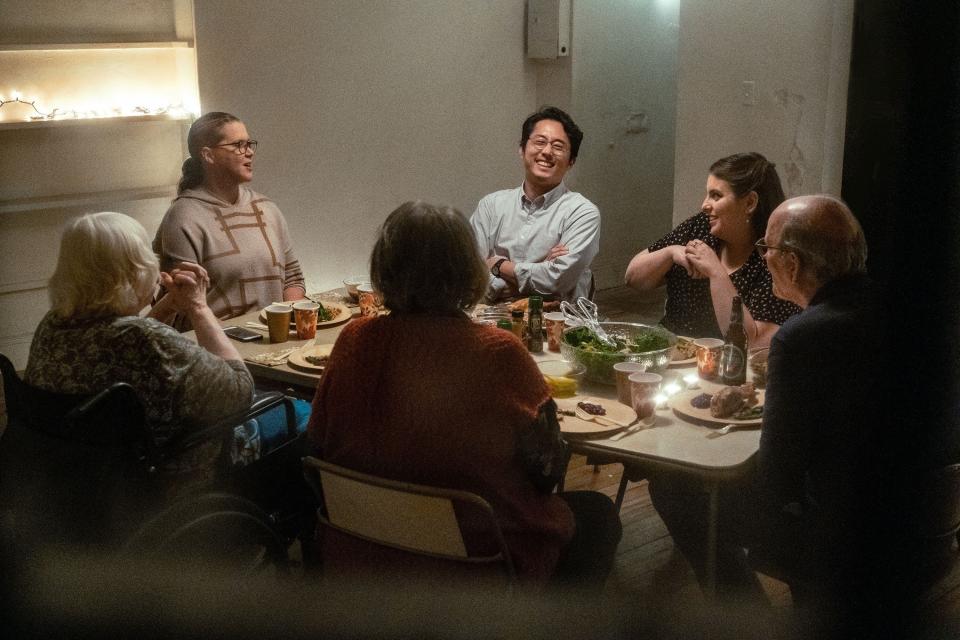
column 820, row 513
column 540, row 238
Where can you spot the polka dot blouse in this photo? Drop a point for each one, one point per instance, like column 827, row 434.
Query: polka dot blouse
column 689, row 309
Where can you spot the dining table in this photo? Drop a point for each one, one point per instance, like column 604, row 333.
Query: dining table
column 673, row 442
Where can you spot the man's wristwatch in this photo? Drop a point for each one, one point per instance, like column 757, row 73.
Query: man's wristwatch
column 495, row 269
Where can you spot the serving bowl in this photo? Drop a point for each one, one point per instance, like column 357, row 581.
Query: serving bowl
column 599, row 364
column 351, row 284
column 562, row 376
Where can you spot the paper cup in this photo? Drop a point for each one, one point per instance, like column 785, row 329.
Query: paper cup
column 622, row 372
column 708, row 357
column 554, row 324
column 369, row 300
column 278, row 322
column 305, row 317
column 644, row 388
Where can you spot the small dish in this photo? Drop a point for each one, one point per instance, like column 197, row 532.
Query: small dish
column 351, row 284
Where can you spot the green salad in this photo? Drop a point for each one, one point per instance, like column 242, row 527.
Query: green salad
column 584, row 338
column 598, row 358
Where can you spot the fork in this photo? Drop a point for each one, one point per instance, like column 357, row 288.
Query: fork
column 631, row 429
column 726, row 429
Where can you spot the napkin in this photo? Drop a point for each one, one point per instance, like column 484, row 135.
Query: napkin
column 272, row 358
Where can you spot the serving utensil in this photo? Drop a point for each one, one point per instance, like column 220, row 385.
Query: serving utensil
column 585, row 313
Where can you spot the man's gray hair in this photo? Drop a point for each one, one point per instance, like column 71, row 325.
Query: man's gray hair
column 828, row 239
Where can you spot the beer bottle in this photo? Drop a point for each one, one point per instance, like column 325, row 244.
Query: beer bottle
column 535, row 325
column 733, row 361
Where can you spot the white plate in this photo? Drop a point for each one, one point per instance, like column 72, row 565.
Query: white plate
column 342, row 314
column 575, row 426
column 685, row 361
column 298, row 357
column 680, row 403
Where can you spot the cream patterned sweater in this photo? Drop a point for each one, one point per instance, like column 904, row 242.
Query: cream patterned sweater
column 245, row 248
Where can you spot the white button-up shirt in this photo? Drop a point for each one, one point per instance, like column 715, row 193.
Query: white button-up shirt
column 510, row 225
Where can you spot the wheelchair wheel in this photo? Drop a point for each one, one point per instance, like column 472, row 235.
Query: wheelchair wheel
column 223, row 531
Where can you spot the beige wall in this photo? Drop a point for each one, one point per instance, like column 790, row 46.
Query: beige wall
column 360, row 106
column 52, row 171
column 799, row 54
column 624, row 89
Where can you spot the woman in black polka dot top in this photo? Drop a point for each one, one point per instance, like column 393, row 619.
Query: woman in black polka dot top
column 709, row 258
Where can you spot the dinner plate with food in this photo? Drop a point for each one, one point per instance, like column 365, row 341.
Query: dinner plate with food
column 523, row 304
column 587, row 417
column 312, row 357
column 684, row 352
column 330, row 313
column 741, row 405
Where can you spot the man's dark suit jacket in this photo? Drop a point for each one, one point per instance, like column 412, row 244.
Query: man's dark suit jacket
column 824, row 442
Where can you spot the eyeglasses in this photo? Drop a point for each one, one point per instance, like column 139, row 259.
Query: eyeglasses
column 763, row 247
column 540, row 142
column 240, row 146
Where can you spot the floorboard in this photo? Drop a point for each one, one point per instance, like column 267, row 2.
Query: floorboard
column 648, row 568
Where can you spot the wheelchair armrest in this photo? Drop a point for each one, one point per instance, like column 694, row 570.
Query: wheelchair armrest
column 110, row 416
column 261, row 404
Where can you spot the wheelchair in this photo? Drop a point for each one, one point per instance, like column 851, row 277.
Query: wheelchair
column 84, row 474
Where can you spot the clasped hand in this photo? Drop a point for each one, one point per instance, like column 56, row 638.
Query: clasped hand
column 186, row 286
column 699, row 259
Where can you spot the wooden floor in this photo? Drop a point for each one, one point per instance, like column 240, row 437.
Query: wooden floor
column 649, row 570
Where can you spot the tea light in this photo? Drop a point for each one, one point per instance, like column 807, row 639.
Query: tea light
column 661, row 400
column 671, row 389
column 692, row 381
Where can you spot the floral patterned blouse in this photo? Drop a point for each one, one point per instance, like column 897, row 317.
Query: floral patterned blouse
column 181, row 384
column 689, row 309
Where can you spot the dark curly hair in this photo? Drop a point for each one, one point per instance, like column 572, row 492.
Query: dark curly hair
column 425, row 260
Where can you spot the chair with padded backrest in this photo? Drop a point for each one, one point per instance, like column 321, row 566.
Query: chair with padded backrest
column 84, row 471
column 410, row 518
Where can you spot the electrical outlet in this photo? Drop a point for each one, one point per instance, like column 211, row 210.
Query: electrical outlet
column 748, row 92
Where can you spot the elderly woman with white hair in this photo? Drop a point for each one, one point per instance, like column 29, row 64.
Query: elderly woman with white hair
column 93, row 335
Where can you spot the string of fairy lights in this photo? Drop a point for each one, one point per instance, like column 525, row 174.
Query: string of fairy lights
column 64, row 114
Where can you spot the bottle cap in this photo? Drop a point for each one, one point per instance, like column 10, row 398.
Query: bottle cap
column 505, row 324
column 517, row 314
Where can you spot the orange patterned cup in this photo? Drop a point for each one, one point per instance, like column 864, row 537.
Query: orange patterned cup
column 554, row 324
column 305, row 316
column 708, row 357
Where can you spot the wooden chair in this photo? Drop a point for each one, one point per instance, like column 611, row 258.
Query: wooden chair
column 414, row 519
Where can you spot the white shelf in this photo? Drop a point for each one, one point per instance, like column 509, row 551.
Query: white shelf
column 8, row 125
column 80, row 46
column 17, row 205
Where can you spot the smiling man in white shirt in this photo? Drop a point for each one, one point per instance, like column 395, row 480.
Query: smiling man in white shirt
column 540, row 237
